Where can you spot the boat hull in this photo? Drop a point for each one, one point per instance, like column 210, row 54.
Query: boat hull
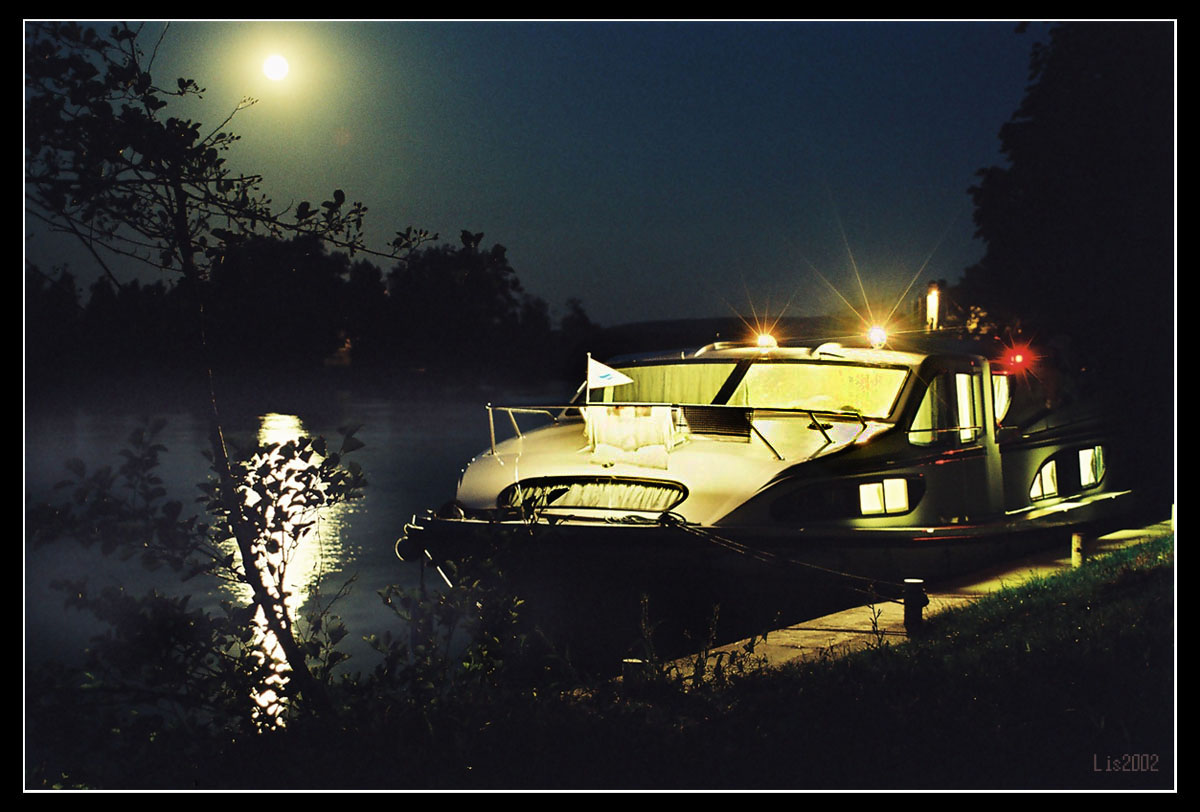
column 605, row 590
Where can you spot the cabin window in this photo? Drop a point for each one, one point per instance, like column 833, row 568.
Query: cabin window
column 951, row 407
column 922, row 430
column 844, row 500
column 888, row 496
column 669, row 383
column 967, row 402
column 1091, row 466
column 1001, row 396
column 868, row 391
column 1045, row 482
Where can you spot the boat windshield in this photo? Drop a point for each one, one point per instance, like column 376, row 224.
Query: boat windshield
column 871, row 391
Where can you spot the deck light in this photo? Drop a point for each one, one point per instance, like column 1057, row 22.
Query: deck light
column 932, row 307
column 766, row 341
column 877, row 336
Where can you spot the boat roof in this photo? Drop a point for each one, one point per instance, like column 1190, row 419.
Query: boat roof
column 737, row 352
column 907, row 351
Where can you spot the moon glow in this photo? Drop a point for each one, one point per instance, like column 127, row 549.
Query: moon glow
column 276, row 67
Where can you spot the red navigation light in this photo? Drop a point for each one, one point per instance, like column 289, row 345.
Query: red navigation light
column 1018, row 358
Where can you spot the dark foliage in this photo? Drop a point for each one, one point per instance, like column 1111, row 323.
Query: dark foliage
column 1079, row 226
column 109, row 168
column 292, row 304
column 165, row 699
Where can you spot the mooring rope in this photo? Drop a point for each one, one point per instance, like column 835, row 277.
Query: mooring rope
column 669, row 519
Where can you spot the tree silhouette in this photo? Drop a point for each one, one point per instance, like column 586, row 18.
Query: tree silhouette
column 53, row 316
column 365, row 312
column 275, row 302
column 1080, row 230
column 461, row 302
column 107, row 165
column 1079, row 225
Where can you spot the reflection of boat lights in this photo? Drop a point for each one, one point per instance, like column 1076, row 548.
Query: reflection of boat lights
column 877, row 336
column 766, row 341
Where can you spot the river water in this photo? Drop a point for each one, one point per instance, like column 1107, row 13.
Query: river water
column 417, row 437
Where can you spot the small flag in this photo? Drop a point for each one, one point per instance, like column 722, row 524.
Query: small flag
column 600, row 376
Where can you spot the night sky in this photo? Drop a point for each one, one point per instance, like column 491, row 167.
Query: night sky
column 652, row 169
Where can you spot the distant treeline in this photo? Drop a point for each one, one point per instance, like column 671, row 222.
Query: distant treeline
column 292, row 304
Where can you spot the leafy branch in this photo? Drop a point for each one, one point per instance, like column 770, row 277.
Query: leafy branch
column 125, row 512
column 106, row 165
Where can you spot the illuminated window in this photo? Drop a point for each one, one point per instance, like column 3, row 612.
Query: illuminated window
column 870, row 391
column 1091, row 465
column 921, row 431
column 951, row 407
column 888, row 496
column 1001, row 396
column 934, row 415
column 965, row 394
column 1045, row 482
column 669, row 383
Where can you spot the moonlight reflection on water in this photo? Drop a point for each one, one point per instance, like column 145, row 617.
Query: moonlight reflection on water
column 308, row 541
column 415, row 443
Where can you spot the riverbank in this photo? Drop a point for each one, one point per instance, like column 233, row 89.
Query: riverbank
column 866, row 625
column 1063, row 682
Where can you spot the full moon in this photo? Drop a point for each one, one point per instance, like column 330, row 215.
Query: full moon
column 276, row 67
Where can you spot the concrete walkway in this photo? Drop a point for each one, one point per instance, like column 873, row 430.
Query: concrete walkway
column 862, row 626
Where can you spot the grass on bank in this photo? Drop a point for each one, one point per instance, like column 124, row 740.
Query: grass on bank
column 1065, row 682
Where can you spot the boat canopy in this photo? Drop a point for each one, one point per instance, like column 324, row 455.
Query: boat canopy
column 870, row 390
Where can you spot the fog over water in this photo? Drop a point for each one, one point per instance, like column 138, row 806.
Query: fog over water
column 415, row 445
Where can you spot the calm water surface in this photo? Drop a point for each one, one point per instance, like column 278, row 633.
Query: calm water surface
column 418, row 436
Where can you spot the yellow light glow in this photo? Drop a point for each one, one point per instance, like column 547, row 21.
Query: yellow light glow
column 932, row 304
column 767, row 341
column 275, row 67
column 298, row 558
column 877, row 336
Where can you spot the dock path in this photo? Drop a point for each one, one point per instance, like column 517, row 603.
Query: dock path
column 852, row 629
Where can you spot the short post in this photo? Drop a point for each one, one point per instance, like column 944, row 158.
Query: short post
column 915, row 601
column 633, row 670
column 1077, row 550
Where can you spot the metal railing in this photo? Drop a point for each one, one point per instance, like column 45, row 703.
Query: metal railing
column 556, row 413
